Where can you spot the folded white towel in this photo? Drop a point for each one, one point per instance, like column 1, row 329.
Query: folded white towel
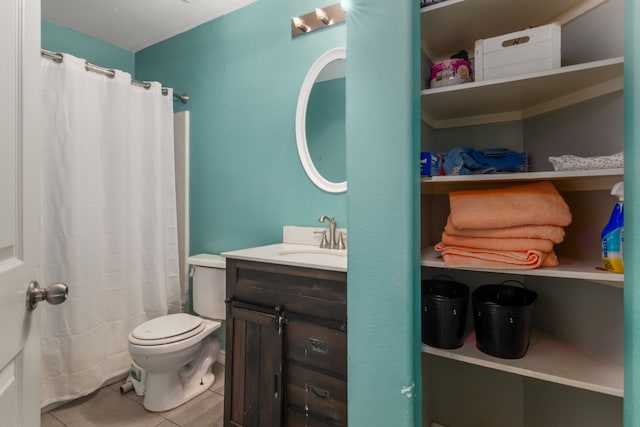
column 570, row 162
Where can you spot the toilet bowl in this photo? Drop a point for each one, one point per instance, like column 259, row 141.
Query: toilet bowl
column 177, row 351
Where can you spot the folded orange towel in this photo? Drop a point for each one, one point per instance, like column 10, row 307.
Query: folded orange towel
column 503, row 244
column 549, row 232
column 459, row 257
column 530, row 204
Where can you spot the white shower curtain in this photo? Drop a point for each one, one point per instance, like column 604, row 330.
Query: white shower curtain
column 108, row 221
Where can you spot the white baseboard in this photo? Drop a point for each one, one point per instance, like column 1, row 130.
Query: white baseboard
column 221, row 357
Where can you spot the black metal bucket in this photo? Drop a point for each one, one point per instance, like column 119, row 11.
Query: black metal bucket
column 444, row 312
column 502, row 316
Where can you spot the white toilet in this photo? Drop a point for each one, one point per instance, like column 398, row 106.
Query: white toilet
column 177, row 351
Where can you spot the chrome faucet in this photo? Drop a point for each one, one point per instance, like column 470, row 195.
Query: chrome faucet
column 332, row 231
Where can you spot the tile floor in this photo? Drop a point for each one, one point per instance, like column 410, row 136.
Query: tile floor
column 107, row 407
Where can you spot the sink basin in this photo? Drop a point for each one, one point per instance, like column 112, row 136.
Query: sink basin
column 315, row 253
column 314, row 257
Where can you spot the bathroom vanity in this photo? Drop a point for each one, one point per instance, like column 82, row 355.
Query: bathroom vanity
column 286, row 343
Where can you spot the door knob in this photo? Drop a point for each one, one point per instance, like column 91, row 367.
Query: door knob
column 56, row 293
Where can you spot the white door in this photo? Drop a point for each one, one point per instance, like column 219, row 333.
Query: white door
column 19, row 211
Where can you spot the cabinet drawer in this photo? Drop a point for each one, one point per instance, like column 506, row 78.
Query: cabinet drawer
column 319, row 395
column 316, row 346
column 310, row 292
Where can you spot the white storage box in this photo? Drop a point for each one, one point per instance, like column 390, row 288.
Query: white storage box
column 522, row 52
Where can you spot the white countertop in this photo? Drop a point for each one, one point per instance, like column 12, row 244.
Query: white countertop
column 297, row 255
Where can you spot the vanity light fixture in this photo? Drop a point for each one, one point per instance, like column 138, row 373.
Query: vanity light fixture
column 318, row 19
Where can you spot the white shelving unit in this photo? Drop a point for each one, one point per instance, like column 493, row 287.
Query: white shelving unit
column 568, row 269
column 566, row 352
column 565, row 181
column 578, row 180
column 520, row 97
column 452, row 24
column 548, row 359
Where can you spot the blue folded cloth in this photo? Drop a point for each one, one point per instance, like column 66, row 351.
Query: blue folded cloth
column 468, row 161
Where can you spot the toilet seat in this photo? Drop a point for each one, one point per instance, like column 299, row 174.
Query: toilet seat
column 166, row 329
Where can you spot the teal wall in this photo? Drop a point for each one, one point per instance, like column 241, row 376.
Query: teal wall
column 383, row 175
column 243, row 72
column 57, row 38
column 632, row 215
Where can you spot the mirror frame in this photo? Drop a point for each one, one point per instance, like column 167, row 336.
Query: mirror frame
column 301, row 122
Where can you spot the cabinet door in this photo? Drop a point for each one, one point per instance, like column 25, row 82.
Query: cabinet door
column 253, row 387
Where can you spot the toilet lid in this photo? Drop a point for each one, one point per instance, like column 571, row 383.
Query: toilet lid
column 167, row 326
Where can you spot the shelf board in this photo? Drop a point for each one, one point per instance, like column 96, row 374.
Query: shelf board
column 578, row 180
column 522, row 96
column 547, row 359
column 568, row 269
column 452, row 25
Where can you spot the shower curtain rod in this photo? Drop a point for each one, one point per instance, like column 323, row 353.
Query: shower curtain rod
column 58, row 57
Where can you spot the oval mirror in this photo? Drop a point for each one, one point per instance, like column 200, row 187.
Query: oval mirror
column 320, row 122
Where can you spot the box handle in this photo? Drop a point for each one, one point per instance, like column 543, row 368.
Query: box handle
column 516, row 41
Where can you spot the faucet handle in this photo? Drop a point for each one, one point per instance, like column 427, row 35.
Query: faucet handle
column 341, row 243
column 324, row 243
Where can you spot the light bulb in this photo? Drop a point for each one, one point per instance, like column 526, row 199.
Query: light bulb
column 322, row 17
column 299, row 24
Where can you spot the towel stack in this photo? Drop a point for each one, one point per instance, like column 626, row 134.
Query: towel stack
column 505, row 228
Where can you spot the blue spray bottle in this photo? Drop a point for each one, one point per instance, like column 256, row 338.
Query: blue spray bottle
column 613, row 234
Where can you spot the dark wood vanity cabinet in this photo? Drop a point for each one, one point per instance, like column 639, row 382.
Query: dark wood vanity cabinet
column 286, row 346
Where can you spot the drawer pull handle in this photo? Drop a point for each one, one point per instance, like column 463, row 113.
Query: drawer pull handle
column 319, row 345
column 320, row 393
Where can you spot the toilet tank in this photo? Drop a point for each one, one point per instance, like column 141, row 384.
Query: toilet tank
column 208, row 285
